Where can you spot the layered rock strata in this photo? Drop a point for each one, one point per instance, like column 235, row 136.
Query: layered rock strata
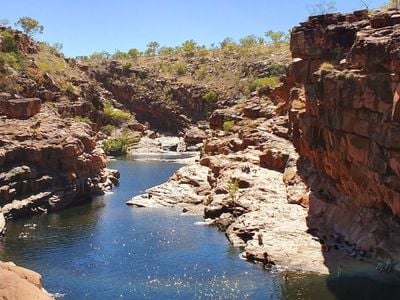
column 346, row 124
column 47, row 163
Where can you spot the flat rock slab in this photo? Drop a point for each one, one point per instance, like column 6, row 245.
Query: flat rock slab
column 20, row 108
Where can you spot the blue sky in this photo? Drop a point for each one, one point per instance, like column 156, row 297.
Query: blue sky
column 86, row 26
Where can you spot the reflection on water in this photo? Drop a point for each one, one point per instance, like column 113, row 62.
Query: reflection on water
column 107, row 250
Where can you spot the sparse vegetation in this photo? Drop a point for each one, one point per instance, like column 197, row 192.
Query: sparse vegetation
column 117, row 146
column 126, row 67
column 257, row 83
column 189, row 47
column 116, row 114
column 82, row 119
column 228, row 125
column 51, row 67
column 233, row 188
column 323, row 7
column 210, row 97
column 180, row 69
column 68, row 87
column 9, row 53
column 133, row 53
column 108, row 129
column 276, row 37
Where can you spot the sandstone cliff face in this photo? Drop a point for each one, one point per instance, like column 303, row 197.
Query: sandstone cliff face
column 47, row 163
column 345, row 120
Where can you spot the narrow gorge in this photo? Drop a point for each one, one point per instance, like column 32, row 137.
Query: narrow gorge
column 301, row 174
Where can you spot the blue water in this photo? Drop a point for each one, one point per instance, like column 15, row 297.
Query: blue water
column 107, row 250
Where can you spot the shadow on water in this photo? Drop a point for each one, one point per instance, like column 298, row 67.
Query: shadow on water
column 353, row 287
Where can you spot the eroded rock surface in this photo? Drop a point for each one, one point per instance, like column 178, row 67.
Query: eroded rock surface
column 345, row 123
column 246, row 184
column 18, row 283
column 48, row 163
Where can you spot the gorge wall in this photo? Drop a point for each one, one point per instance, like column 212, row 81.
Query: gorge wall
column 46, row 162
column 345, row 118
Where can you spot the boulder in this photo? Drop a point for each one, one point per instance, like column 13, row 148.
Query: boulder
column 20, row 283
column 20, row 108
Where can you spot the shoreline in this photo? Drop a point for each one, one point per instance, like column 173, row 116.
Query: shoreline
column 289, row 248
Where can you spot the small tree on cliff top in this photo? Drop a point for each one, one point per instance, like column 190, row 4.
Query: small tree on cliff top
column 30, row 26
column 4, row 22
column 323, row 7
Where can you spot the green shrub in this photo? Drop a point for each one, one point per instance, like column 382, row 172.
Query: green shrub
column 108, row 129
column 233, row 188
column 133, row 53
column 276, row 37
column 249, row 41
column 98, row 56
column 126, row 67
column 116, row 114
column 276, row 69
column 166, row 51
column 228, row 125
column 263, row 82
column 120, row 55
column 50, row 67
column 203, row 51
column 201, row 72
column 68, row 87
column 210, row 96
column 115, row 147
column 82, row 119
column 8, row 42
column 189, row 46
column 9, row 54
column 10, row 59
column 180, row 69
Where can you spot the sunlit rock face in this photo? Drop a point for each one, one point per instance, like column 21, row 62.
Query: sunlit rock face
column 47, row 163
column 346, row 122
column 20, row 283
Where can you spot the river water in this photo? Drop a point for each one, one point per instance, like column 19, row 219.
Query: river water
column 107, row 250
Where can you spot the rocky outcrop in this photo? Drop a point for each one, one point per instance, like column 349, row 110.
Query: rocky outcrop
column 246, row 184
column 20, row 283
column 161, row 102
column 20, row 108
column 316, row 189
column 346, row 124
column 48, row 163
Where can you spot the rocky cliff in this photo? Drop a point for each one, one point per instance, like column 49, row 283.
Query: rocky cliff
column 46, row 162
column 336, row 193
column 345, row 119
